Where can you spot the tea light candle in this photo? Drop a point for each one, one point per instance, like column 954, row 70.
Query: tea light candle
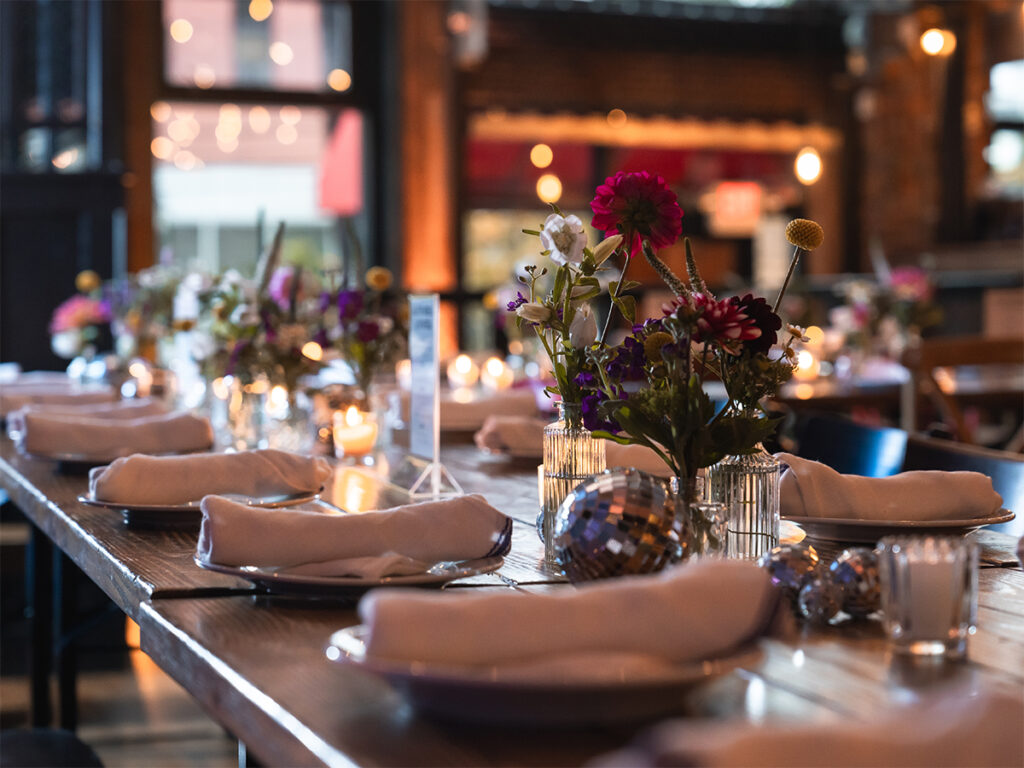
column 463, row 372
column 806, row 366
column 355, row 432
column 496, row 375
column 403, row 373
column 933, row 587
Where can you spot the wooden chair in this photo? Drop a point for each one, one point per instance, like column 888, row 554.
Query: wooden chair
column 929, row 380
column 1005, row 469
column 849, row 447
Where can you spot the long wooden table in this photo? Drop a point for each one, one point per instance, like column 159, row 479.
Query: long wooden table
column 256, row 663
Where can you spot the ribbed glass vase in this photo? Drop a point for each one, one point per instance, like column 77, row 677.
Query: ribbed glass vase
column 748, row 486
column 571, row 455
column 706, row 522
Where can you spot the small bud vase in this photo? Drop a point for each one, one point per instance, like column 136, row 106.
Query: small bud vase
column 571, row 455
column 748, row 486
column 705, row 521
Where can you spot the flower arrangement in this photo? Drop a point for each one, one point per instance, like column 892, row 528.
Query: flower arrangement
column 887, row 313
column 77, row 321
column 699, row 338
column 367, row 327
column 563, row 318
column 143, row 307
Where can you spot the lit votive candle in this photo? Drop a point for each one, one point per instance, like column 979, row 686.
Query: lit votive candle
column 496, row 375
column 463, row 372
column 355, row 432
column 403, row 373
column 807, row 366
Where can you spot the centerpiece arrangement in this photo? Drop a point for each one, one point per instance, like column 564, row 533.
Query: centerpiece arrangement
column 77, row 322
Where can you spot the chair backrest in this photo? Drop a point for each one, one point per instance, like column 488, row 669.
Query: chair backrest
column 849, row 447
column 950, row 352
column 1005, row 469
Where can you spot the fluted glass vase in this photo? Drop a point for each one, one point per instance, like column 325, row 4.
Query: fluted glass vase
column 571, row 455
column 705, row 530
column 748, row 486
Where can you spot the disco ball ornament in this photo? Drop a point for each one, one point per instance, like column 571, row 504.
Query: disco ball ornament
column 855, row 573
column 790, row 567
column 819, row 599
column 619, row 523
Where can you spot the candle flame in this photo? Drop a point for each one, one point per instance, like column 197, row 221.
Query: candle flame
column 463, row 364
column 353, row 417
column 494, row 366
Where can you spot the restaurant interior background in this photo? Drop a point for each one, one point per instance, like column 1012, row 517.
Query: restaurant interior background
column 432, row 132
column 184, row 131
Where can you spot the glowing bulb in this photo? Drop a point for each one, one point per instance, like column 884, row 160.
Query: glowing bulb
column 181, row 31
column 290, row 115
column 221, row 389
column 617, row 118
column 259, row 119
column 161, row 147
column 814, row 334
column 160, row 111
column 278, row 397
column 804, row 360
column 185, row 160
column 313, row 351
column 938, row 42
column 260, row 10
column 463, row 364
column 541, row 155
column 204, row 76
column 286, row 134
column 549, row 188
column 281, row 53
column 808, row 166
column 339, row 80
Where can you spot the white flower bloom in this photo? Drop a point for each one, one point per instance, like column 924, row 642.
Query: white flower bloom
column 583, row 328
column 565, row 238
column 201, row 345
column 534, row 312
column 606, row 248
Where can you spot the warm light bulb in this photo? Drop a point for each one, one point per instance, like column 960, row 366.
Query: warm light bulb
column 162, row 147
column 260, row 10
column 804, row 360
column 808, row 166
column 463, row 364
column 541, row 155
column 494, row 366
column 549, row 188
column 281, row 53
column 938, row 42
column 259, row 119
column 181, row 30
column 160, row 111
column 814, row 334
column 617, row 118
column 339, row 80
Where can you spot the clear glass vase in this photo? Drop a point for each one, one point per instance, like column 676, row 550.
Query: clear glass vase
column 238, row 412
column 288, row 421
column 748, row 486
column 706, row 523
column 571, row 455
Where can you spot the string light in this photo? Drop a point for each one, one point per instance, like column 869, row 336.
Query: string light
column 808, row 166
column 339, row 80
column 541, row 155
column 549, row 188
column 260, row 10
column 181, row 30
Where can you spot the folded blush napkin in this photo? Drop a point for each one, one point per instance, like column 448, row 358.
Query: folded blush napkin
column 116, row 409
column 523, row 437
column 690, row 612
column 950, row 728
column 51, row 390
column 106, row 438
column 180, row 479
column 811, row 489
column 392, row 542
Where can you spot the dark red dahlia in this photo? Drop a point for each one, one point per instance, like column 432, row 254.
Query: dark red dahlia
column 767, row 322
column 723, row 322
column 640, row 206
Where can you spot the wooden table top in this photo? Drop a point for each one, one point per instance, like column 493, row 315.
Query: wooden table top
column 257, row 663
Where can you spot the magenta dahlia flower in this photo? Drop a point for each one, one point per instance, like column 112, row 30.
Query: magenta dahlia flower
column 640, row 206
column 79, row 312
column 723, row 322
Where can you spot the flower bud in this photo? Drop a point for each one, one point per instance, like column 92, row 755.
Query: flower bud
column 583, row 328
column 534, row 312
column 606, row 248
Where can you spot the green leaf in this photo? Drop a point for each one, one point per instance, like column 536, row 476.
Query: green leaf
column 627, row 306
column 556, row 209
column 531, row 232
column 559, row 288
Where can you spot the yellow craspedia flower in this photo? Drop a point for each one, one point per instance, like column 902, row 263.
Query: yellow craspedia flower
column 804, row 233
column 87, row 281
column 379, row 278
column 654, row 343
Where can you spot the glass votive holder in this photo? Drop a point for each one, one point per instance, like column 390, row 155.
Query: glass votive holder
column 929, row 593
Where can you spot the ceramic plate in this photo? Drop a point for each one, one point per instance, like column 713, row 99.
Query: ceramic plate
column 281, row 581
column 595, row 687
column 870, row 531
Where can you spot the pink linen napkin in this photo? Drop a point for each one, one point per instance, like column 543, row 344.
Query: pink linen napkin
column 116, row 409
column 523, row 437
column 19, row 393
column 811, row 489
column 403, row 540
column 143, row 479
column 106, row 438
column 470, row 415
column 693, row 611
column 952, row 728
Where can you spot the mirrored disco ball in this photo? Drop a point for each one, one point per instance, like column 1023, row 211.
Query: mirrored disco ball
column 619, row 523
